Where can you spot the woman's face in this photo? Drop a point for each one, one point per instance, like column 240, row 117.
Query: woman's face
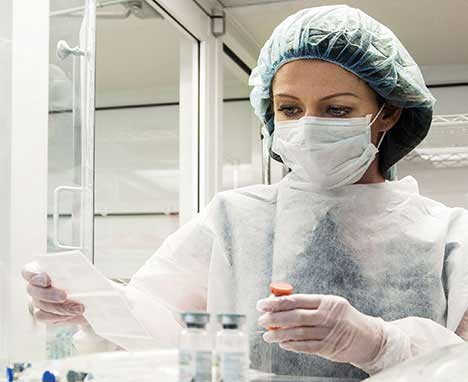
column 318, row 88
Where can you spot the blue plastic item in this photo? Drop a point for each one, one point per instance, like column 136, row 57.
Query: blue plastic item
column 10, row 375
column 48, row 377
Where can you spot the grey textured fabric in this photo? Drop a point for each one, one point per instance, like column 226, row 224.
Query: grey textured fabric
column 367, row 244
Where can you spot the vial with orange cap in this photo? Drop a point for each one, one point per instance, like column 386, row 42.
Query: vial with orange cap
column 280, row 288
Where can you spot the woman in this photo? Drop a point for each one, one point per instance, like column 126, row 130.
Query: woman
column 380, row 271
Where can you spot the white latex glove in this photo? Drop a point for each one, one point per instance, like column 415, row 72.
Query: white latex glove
column 51, row 303
column 330, row 327
column 322, row 324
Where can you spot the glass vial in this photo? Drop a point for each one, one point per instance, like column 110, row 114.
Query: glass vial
column 195, row 355
column 232, row 350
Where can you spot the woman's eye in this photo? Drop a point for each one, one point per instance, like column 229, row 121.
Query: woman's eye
column 289, row 111
column 338, row 111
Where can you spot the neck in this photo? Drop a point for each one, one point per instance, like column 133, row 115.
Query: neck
column 372, row 175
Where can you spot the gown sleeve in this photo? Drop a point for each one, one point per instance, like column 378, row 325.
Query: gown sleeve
column 173, row 280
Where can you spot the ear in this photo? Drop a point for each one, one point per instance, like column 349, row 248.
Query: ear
column 389, row 117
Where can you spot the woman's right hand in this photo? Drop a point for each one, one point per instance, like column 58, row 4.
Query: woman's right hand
column 51, row 304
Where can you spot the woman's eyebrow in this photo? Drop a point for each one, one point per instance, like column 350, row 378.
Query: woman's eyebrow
column 285, row 95
column 337, row 95
column 321, row 99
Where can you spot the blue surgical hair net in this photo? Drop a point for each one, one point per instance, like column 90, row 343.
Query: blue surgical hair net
column 358, row 43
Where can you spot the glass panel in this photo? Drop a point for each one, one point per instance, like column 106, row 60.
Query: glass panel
column 71, row 136
column 137, row 139
column 241, row 135
column 71, row 125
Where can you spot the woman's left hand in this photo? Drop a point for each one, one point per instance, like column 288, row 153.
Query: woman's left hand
column 324, row 325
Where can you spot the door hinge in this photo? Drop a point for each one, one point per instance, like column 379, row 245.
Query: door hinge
column 218, row 22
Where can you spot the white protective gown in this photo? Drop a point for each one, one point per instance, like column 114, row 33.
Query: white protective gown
column 391, row 252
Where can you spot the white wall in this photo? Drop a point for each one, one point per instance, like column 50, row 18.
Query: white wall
column 5, row 134
column 23, row 158
column 451, row 100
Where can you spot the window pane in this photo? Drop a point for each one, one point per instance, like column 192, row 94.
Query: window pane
column 241, row 141
column 137, row 140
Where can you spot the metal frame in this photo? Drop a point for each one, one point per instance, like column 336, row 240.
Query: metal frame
column 455, row 155
column 450, row 119
column 72, row 12
column 211, row 119
column 256, row 4
column 188, row 131
column 206, row 105
column 133, row 7
column 201, row 105
column 441, row 157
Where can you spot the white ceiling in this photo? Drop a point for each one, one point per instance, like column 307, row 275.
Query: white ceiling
column 138, row 59
column 138, row 63
column 434, row 32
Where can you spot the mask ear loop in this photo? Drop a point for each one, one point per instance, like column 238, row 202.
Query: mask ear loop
column 373, row 120
column 381, row 140
column 377, row 115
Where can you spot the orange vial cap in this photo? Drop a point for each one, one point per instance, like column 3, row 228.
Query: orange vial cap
column 280, row 288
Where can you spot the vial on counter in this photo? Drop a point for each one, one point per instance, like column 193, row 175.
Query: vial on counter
column 232, row 350
column 195, row 344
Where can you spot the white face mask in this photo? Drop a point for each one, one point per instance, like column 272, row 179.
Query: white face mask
column 327, row 152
